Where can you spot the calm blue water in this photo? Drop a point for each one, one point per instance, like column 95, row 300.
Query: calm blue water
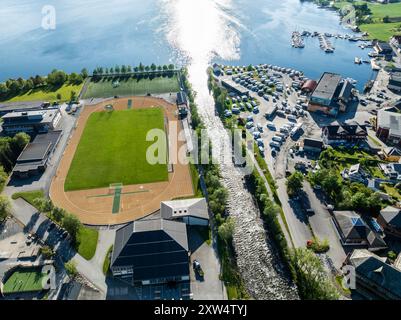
column 105, row 33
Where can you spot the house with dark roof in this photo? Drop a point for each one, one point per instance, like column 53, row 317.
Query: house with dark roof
column 346, row 95
column 33, row 160
column 375, row 279
column 312, row 145
column 390, row 220
column 353, row 231
column 384, row 49
column 344, row 133
column 189, row 211
column 151, row 251
column 394, row 83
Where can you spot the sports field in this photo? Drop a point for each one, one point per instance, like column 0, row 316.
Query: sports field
column 24, row 280
column 113, row 148
column 110, row 87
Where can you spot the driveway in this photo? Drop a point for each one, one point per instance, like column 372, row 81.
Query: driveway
column 295, row 217
column 322, row 226
column 210, row 287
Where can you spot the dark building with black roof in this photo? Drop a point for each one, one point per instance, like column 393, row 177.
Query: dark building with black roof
column 151, row 252
column 344, row 133
column 312, row 145
column 34, row 158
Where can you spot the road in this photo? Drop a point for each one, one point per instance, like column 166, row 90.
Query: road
column 323, row 227
column 296, row 219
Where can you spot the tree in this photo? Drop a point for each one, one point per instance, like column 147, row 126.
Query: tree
column 226, row 230
column 3, row 90
column 3, row 178
column 117, row 69
column 58, row 214
column 332, row 186
column 171, row 66
column 43, row 205
column 75, row 78
column 72, row 225
column 73, row 96
column 84, row 73
column 57, row 78
column 153, row 67
column 71, row 268
column 311, row 277
column 47, row 252
column 5, row 207
column 19, row 141
column 141, row 67
column 294, row 183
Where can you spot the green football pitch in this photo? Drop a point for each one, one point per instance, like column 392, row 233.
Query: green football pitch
column 24, row 280
column 113, row 149
column 107, row 87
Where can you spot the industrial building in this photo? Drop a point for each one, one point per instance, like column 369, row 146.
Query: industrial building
column 388, row 125
column 153, row 251
column 331, row 94
column 34, row 158
column 31, row 122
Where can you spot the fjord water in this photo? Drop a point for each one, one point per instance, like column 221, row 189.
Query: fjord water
column 105, row 33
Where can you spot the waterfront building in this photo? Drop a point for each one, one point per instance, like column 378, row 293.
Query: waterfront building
column 394, row 83
column 388, row 124
column 31, row 122
column 331, row 95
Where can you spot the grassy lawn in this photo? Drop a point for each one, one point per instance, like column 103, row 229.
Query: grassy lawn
column 195, row 181
column 131, row 86
column 121, row 155
column 391, row 191
column 106, row 262
column 29, row 196
column 24, row 280
column 48, row 94
column 378, row 29
column 87, row 242
column 381, row 31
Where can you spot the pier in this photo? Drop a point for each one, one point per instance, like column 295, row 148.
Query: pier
column 297, row 40
column 325, row 44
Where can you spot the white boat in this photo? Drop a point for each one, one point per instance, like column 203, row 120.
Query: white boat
column 358, row 60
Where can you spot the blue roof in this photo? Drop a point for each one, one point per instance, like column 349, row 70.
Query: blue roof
column 357, row 222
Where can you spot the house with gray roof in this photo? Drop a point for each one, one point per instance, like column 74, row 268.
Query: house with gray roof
column 353, row 231
column 391, row 170
column 151, row 251
column 189, row 211
column 388, row 128
column 375, row 279
column 390, row 220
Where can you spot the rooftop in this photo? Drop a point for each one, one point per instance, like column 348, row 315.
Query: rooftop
column 183, row 208
column 327, row 86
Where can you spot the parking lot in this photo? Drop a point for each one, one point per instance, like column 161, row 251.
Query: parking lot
column 271, row 116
